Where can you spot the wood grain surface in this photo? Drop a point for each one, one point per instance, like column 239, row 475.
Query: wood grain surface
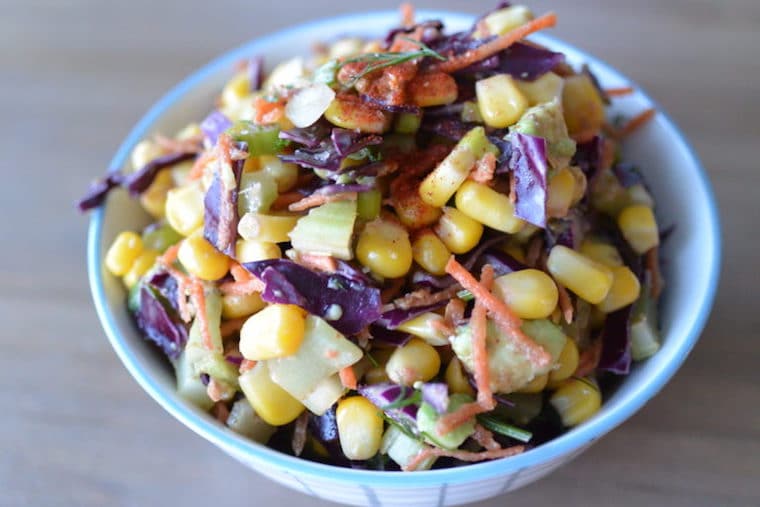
column 76, row 430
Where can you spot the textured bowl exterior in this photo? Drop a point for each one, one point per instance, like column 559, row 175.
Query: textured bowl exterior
column 684, row 198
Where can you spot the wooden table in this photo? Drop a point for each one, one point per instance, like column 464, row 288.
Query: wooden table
column 76, row 430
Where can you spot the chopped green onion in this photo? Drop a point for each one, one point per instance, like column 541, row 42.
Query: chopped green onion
column 494, row 424
column 465, row 295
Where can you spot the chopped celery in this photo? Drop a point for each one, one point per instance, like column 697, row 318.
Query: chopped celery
column 402, row 448
column 369, row 203
column 546, row 334
column 427, row 422
column 189, row 385
column 471, row 112
column 160, row 237
column 245, row 421
column 645, row 337
column 326, row 230
column 408, row 123
column 324, row 395
column 261, row 139
column 258, row 190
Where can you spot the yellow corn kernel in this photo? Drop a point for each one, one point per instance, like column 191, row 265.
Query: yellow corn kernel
column 143, row 153
column 424, row 326
column 360, row 427
column 415, row 361
column 579, row 188
column 601, row 252
column 515, row 251
column 384, row 248
column 432, row 89
column 576, row 401
column 350, row 112
column 561, row 193
column 536, row 385
column 583, row 106
column 625, row 290
column 153, row 200
column 270, row 401
column 458, row 232
column 236, row 89
column 530, row 293
column 267, row 228
column 201, row 259
column 140, row 266
column 430, row 252
column 567, row 363
column 345, row 48
column 587, row 278
column 184, row 208
column 123, row 251
column 284, row 174
column 489, row 207
column 544, row 89
column 456, row 379
column 639, row 227
column 507, row 19
column 237, row 306
column 250, row 250
column 276, row 331
column 500, row 102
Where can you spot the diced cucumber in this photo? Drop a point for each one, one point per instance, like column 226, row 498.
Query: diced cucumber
column 326, row 230
column 427, row 422
column 189, row 385
column 258, row 190
column 244, row 420
column 546, row 334
column 402, row 448
column 324, row 395
column 645, row 337
column 369, row 203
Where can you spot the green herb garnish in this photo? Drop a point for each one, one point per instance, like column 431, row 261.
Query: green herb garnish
column 465, row 295
column 494, row 424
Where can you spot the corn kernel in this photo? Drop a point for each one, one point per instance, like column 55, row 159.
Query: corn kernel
column 270, row 401
column 458, row 232
column 184, row 208
column 412, row 211
column 284, row 174
column 583, row 106
column 639, row 227
column 429, row 252
column 566, row 364
column 350, row 112
column 237, row 306
column 432, row 89
column 415, row 361
column 536, row 385
column 601, row 252
column 236, row 89
column 153, row 200
column 456, row 379
column 561, row 193
column 276, row 331
column 588, row 279
column 544, row 89
column 529, row 293
column 201, row 259
column 250, row 250
column 143, row 153
column 489, row 207
column 360, row 427
column 123, row 251
column 500, row 102
column 267, row 228
column 625, row 290
column 505, row 20
column 576, row 401
column 384, row 248
column 142, row 264
column 581, row 184
column 425, row 326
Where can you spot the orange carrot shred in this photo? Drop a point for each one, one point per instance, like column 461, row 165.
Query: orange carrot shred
column 462, row 455
column 484, row 169
column 503, row 316
column 619, row 92
column 636, row 122
column 407, row 14
column 348, row 377
column 200, row 164
column 589, row 359
column 485, row 438
column 453, row 420
column 499, row 44
column 232, row 326
column 285, row 200
column 565, row 304
column 199, row 300
column 267, row 112
column 315, row 200
column 653, row 266
column 324, row 263
column 246, row 365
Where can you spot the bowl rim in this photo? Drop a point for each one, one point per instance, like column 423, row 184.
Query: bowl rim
column 567, row 443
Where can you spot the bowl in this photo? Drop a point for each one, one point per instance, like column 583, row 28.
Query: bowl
column 692, row 258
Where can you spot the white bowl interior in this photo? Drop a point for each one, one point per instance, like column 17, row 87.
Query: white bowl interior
column 691, row 256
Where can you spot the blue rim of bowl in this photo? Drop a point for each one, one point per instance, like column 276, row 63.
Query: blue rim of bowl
column 566, row 444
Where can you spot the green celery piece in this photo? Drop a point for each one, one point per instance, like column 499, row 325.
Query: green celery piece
column 402, row 448
column 326, row 230
column 645, row 337
column 189, row 385
column 368, row 204
column 245, row 421
column 258, row 190
column 427, row 422
column 546, row 334
column 261, row 139
column 160, row 238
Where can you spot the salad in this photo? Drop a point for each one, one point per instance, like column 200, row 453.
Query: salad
column 405, row 253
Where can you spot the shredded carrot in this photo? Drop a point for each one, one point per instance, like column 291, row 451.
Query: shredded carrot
column 619, row 92
column 485, row 438
column 484, row 170
column 653, row 266
column 318, row 262
column 443, row 326
column 565, row 303
column 500, row 43
column 589, row 359
column 200, row 164
column 454, row 312
column 636, row 122
column 284, row 200
column 246, row 365
column 170, row 255
column 214, row 390
column 220, row 411
column 314, row 200
column 245, row 283
column 232, row 326
column 479, row 352
column 503, row 316
column 422, row 297
column 453, row 420
column 348, row 377
column 167, row 260
column 407, row 14
column 462, row 455
column 266, row 112
column 199, row 300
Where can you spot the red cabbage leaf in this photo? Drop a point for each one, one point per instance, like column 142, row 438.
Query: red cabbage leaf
column 529, row 168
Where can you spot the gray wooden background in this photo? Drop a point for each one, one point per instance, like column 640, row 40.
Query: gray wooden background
column 76, row 430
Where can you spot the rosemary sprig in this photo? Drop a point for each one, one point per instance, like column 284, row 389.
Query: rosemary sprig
column 379, row 61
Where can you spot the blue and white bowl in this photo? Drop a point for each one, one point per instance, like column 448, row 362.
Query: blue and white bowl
column 681, row 189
